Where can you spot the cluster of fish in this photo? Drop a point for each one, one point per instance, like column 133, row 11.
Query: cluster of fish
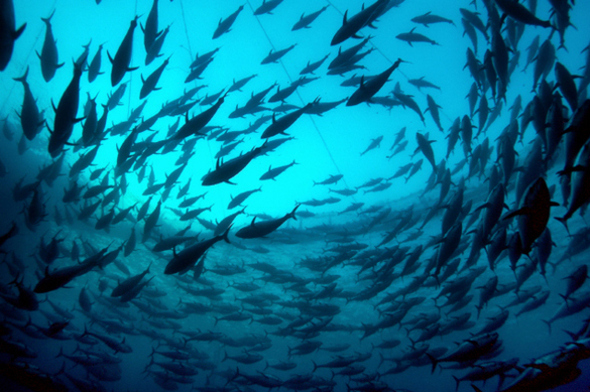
column 394, row 285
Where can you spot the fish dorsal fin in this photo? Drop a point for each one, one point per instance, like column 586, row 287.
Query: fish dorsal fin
column 344, row 17
column 253, row 219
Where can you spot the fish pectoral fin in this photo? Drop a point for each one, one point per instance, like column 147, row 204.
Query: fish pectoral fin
column 18, row 32
column 521, row 211
column 132, row 69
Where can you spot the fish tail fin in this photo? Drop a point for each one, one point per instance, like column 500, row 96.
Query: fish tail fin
column 19, row 31
column 148, row 365
column 225, row 235
column 563, row 220
column 548, row 325
column 292, row 213
column 62, row 370
column 23, row 78
column 433, row 360
column 46, row 20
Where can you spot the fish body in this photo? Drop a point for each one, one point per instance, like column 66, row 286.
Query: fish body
column 262, row 229
column 367, row 90
column 65, row 114
column 122, row 58
column 225, row 171
column 189, row 256
column 8, row 32
column 48, row 56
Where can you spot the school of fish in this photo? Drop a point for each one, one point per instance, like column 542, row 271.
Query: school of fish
column 362, row 299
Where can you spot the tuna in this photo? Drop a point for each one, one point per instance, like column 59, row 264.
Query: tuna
column 65, row 115
column 8, row 32
column 189, row 256
column 48, row 56
column 122, row 58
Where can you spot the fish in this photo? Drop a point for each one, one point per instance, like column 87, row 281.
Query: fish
column 237, row 85
column 224, row 25
column 8, row 32
column 426, row 148
column 533, row 213
column 150, row 31
column 375, row 143
column 305, row 20
column 275, row 55
column 197, row 123
column 367, row 90
column 351, row 27
column 433, row 108
column 62, row 276
column 415, row 37
column 150, row 83
column 279, row 126
column 48, row 56
column 421, row 83
column 225, row 171
column 189, row 256
column 95, row 64
column 263, row 229
column 271, row 174
column 267, row 7
column 30, row 117
column 129, row 283
column 520, row 13
column 122, row 58
column 430, row 18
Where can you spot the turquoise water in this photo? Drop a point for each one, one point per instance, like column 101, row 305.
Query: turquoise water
column 336, row 143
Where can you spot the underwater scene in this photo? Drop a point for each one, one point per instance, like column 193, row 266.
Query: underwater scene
column 319, row 195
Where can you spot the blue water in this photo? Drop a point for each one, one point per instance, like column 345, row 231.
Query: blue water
column 322, row 146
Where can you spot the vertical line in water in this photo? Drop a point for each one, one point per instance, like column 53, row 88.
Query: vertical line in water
column 131, row 78
column 188, row 41
column 300, row 98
